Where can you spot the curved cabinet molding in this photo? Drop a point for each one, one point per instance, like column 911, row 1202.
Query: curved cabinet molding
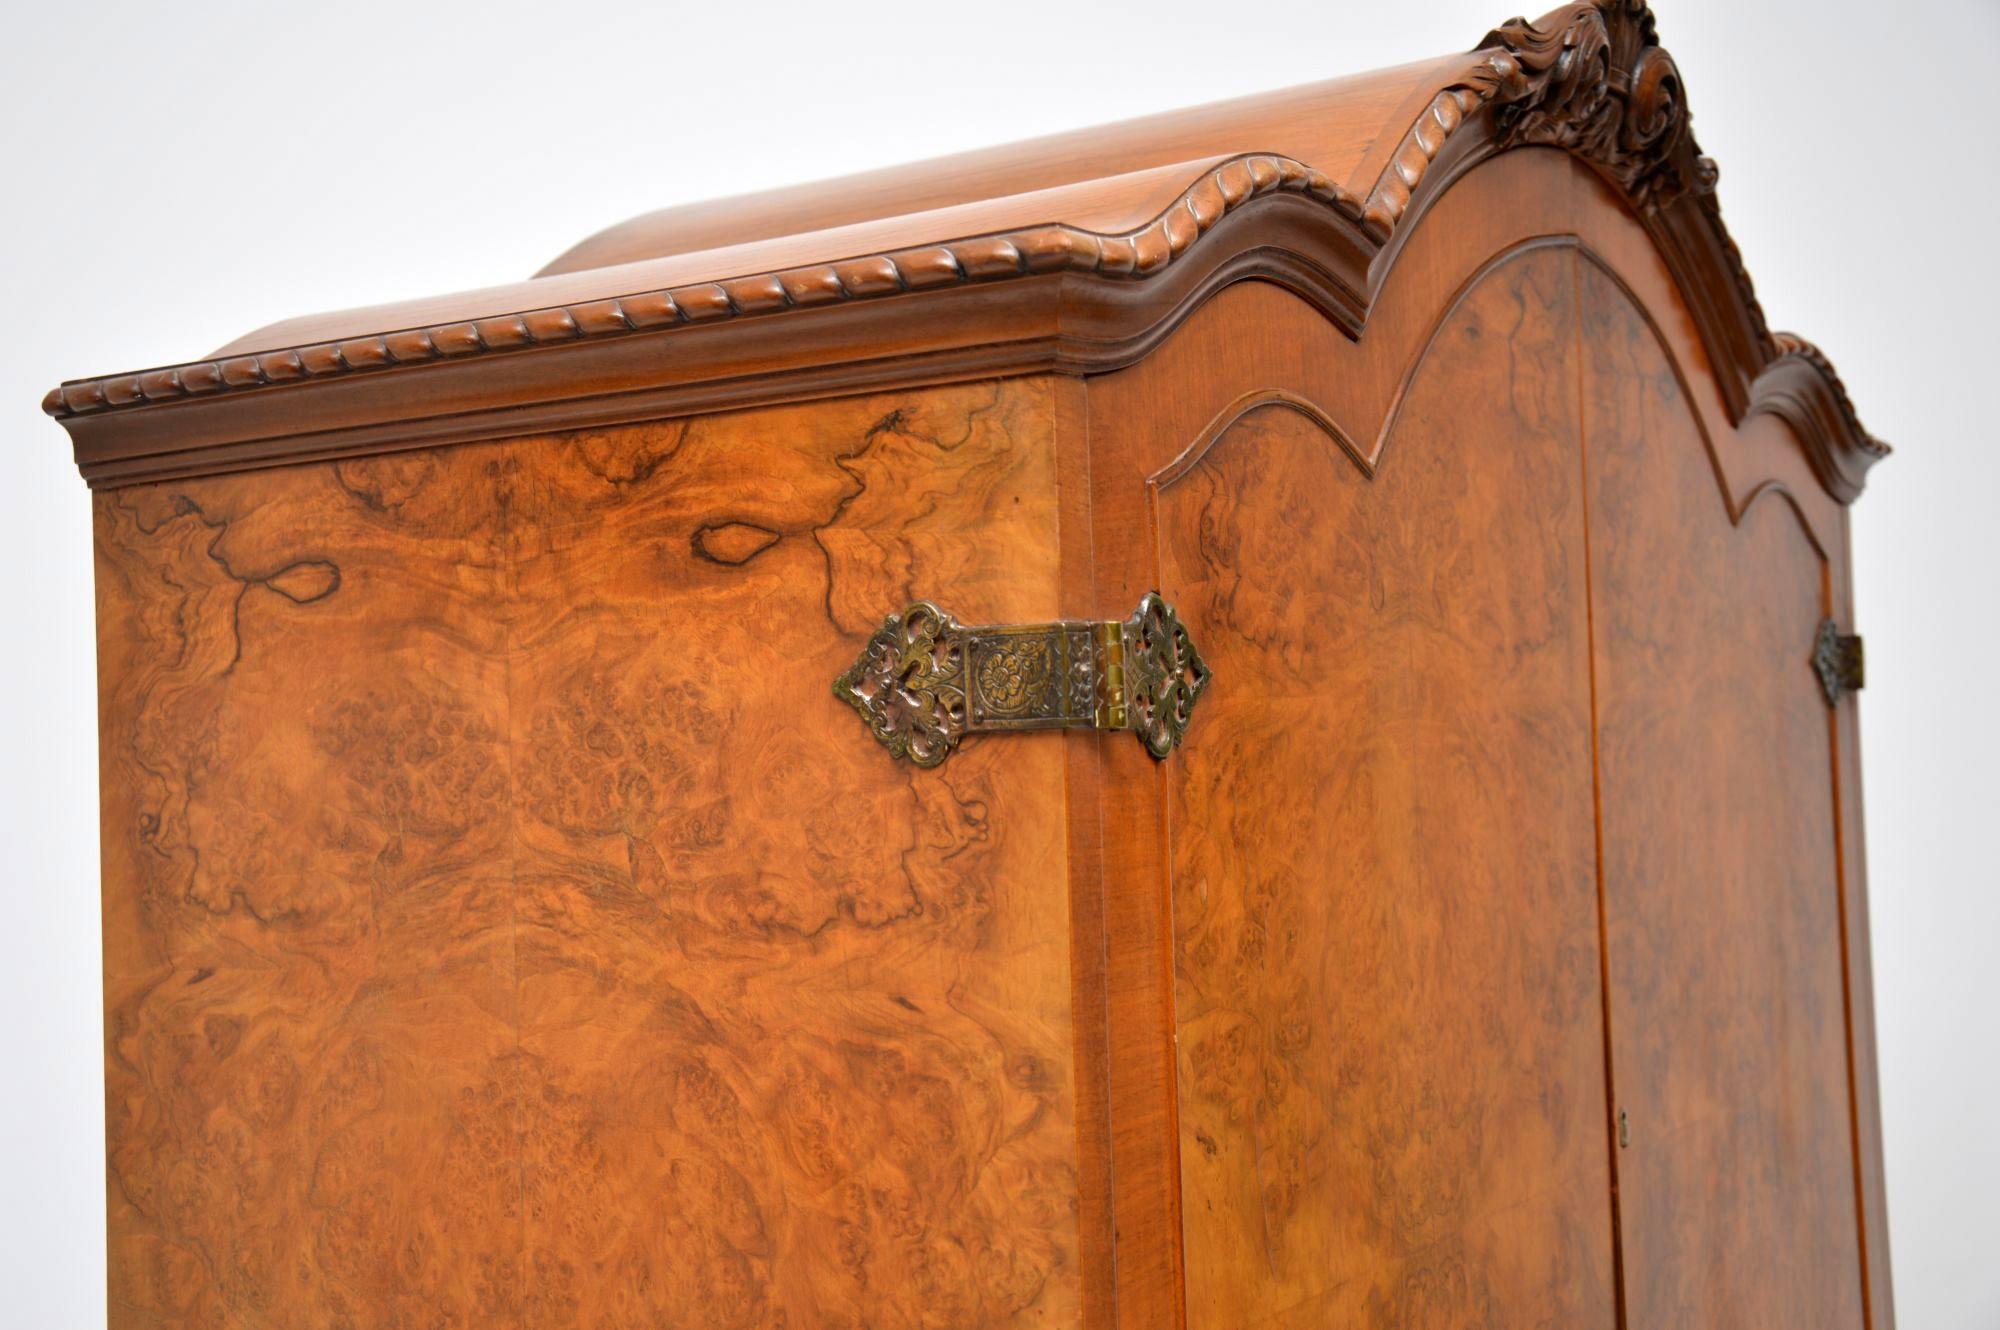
column 1801, row 388
column 1052, row 273
column 1243, row 406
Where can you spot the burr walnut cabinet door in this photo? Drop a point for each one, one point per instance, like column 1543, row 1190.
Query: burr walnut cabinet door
column 1722, row 881
column 1386, row 991
column 505, row 926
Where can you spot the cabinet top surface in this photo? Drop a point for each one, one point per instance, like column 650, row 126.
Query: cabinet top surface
column 1337, row 126
column 1070, row 253
column 1104, row 181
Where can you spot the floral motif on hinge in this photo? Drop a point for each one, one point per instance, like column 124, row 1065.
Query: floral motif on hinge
column 924, row 681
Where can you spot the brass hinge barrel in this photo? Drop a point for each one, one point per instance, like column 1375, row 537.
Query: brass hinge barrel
column 924, row 680
column 1113, row 711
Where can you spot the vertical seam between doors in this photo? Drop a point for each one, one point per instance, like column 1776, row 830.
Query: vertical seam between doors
column 1597, row 793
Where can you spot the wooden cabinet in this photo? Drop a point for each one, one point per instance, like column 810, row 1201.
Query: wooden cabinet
column 507, row 924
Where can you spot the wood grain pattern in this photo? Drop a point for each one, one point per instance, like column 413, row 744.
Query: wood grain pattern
column 1721, row 881
column 308, row 980
column 484, row 946
column 1251, row 342
column 1255, row 344
column 1390, row 1105
column 505, row 925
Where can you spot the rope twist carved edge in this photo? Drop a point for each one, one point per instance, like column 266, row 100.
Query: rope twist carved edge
column 1043, row 249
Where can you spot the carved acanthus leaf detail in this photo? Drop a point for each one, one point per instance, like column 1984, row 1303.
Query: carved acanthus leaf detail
column 1590, row 79
column 1601, row 87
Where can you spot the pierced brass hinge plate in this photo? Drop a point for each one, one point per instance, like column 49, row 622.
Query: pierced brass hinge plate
column 1839, row 662
column 925, row 680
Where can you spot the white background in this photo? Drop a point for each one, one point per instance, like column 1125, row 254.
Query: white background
column 175, row 175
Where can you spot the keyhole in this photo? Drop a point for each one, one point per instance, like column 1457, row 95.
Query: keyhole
column 1624, row 1130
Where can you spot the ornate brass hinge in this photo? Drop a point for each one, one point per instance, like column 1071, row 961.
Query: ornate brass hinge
column 925, row 681
column 1838, row 661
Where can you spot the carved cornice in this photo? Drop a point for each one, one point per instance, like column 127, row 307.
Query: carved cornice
column 1602, row 88
column 1589, row 79
column 1593, row 81
column 1801, row 388
column 1045, row 249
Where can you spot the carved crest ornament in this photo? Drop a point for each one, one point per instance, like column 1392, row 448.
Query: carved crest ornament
column 1602, row 88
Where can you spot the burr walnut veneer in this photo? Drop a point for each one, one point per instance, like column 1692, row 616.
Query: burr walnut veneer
column 506, row 924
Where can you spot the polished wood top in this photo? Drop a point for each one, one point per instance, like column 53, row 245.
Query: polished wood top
column 1337, row 125
column 1105, row 180
column 1101, row 206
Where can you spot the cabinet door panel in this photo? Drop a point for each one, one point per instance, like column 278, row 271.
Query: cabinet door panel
column 1720, row 875
column 1387, row 987
column 507, row 927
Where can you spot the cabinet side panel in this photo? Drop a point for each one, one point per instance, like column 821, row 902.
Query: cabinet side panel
column 1385, row 927
column 507, row 926
column 309, row 987
column 1721, row 884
